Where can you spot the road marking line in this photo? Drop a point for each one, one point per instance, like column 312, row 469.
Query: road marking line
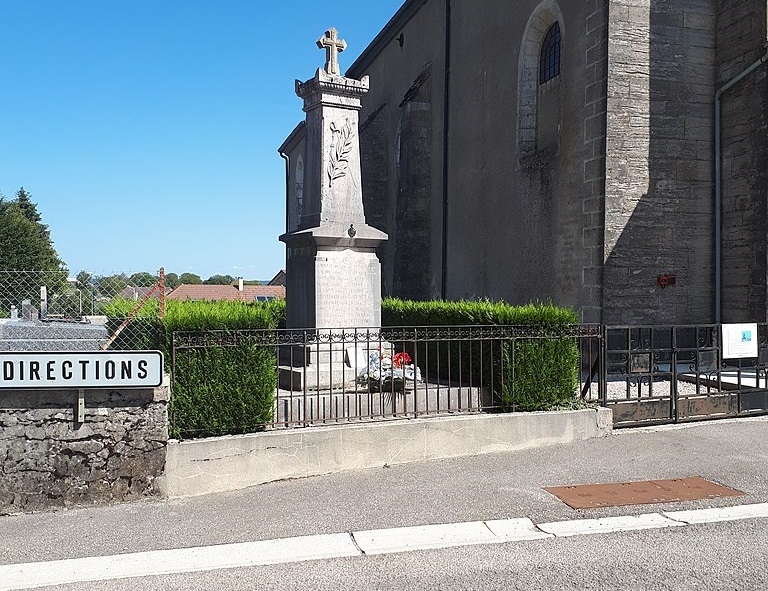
column 606, row 525
column 183, row 560
column 424, row 537
column 719, row 514
column 516, row 530
column 382, row 541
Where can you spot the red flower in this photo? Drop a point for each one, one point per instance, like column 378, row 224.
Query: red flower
column 401, row 359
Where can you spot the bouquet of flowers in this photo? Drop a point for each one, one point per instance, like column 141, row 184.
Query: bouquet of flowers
column 389, row 372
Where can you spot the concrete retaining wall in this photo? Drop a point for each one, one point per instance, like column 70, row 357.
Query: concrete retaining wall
column 230, row 463
column 49, row 461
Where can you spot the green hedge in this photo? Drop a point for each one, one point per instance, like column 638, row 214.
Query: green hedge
column 221, row 388
column 218, row 389
column 224, row 389
column 526, row 374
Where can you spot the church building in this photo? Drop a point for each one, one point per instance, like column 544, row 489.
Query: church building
column 607, row 155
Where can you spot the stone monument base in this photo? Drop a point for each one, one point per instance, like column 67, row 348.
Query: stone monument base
column 325, row 366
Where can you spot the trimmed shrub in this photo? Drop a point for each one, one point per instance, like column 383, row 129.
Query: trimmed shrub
column 222, row 390
column 228, row 385
column 538, row 370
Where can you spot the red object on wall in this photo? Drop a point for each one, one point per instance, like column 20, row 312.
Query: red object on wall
column 664, row 280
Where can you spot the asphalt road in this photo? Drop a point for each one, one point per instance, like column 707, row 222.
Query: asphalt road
column 730, row 555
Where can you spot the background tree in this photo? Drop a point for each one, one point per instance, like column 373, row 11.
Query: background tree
column 142, row 279
column 25, row 243
column 26, row 250
column 111, row 285
column 83, row 280
column 190, row 279
column 28, row 208
column 85, row 285
column 172, row 281
column 220, row 280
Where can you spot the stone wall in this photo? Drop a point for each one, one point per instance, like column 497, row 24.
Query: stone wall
column 401, row 145
column 595, row 106
column 740, row 38
column 659, row 169
column 49, row 461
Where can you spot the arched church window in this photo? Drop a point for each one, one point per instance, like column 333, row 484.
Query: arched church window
column 539, row 85
column 549, row 63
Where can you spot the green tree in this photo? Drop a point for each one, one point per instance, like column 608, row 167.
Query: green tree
column 25, row 244
column 190, row 279
column 28, row 208
column 142, row 279
column 84, row 280
column 85, row 284
column 220, row 280
column 27, row 254
column 110, row 285
column 172, row 281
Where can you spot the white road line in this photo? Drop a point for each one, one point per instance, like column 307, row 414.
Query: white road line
column 184, row 560
column 516, row 530
column 424, row 537
column 719, row 514
column 606, row 525
column 382, row 541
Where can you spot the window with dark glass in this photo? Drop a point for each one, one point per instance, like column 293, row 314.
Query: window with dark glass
column 549, row 63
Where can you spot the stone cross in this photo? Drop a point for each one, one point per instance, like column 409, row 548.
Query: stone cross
column 332, row 45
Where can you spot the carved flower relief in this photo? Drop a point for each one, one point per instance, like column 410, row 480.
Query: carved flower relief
column 341, row 148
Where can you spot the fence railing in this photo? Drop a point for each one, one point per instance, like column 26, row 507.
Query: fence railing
column 667, row 374
column 285, row 378
column 46, row 310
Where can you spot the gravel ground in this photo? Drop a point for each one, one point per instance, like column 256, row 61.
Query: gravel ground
column 641, row 388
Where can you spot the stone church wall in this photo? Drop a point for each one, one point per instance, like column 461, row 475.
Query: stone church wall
column 659, row 171
column 595, row 113
column 530, row 210
column 740, row 38
column 401, row 144
column 588, row 206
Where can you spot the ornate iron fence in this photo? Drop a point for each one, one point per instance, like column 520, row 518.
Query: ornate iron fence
column 286, row 378
column 667, row 374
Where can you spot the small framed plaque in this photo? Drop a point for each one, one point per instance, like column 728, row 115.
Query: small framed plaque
column 739, row 341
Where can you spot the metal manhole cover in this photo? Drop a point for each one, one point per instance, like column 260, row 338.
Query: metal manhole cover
column 592, row 496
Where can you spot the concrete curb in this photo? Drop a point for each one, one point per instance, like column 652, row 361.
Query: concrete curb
column 223, row 464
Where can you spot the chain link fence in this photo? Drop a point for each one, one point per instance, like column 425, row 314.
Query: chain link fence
column 49, row 311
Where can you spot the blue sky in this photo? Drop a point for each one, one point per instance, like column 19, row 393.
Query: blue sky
column 147, row 130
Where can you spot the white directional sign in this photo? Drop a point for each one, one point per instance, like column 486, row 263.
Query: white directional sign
column 86, row 369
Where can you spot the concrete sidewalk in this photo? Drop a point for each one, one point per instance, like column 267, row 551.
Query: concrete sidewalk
column 489, row 487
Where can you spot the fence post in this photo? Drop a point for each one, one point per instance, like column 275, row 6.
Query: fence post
column 43, row 302
column 161, row 287
column 602, row 388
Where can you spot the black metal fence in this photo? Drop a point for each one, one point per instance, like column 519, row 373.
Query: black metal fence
column 287, row 378
column 668, row 374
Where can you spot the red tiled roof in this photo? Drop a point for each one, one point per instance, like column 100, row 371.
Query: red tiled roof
column 212, row 293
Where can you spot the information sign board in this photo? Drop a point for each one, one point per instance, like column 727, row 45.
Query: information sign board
column 739, row 341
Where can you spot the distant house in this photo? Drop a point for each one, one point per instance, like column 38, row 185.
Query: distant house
column 278, row 279
column 232, row 293
column 134, row 293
